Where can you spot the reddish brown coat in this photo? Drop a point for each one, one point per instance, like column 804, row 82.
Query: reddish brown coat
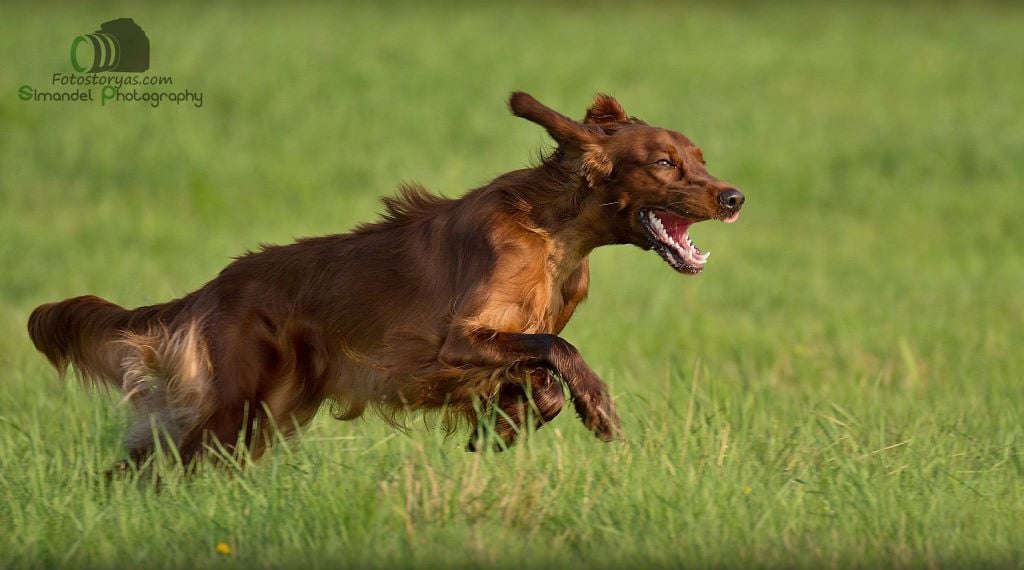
column 442, row 304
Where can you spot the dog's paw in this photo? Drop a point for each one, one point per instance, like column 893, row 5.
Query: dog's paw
column 118, row 471
column 601, row 418
column 607, row 426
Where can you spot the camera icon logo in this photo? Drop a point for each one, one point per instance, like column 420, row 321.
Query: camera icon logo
column 119, row 45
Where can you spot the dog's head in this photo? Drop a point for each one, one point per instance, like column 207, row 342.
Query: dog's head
column 651, row 182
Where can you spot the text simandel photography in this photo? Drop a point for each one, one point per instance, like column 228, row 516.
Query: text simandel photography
column 110, row 66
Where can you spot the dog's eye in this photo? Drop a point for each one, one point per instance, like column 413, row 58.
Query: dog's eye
column 665, row 162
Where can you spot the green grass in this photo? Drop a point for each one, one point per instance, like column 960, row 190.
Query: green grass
column 842, row 386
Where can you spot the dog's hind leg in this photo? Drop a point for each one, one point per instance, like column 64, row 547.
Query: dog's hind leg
column 167, row 377
column 269, row 384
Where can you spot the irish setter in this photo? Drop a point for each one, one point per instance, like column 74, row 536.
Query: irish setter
column 443, row 304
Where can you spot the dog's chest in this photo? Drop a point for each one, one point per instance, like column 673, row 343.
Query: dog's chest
column 533, row 297
column 552, row 303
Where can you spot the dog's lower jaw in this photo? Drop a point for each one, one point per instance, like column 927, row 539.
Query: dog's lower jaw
column 668, row 235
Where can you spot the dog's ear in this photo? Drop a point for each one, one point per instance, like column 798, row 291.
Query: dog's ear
column 605, row 110
column 573, row 137
column 607, row 113
column 564, row 130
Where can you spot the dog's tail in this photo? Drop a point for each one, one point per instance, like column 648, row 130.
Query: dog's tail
column 86, row 332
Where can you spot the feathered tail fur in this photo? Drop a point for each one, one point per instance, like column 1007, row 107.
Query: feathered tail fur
column 85, row 332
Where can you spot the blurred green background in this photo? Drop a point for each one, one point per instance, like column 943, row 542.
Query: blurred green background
column 841, row 385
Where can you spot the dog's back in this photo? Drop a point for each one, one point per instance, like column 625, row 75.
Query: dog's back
column 346, row 317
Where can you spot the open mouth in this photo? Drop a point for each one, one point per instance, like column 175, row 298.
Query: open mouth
column 670, row 238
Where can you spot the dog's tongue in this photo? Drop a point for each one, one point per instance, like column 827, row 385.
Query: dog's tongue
column 731, row 218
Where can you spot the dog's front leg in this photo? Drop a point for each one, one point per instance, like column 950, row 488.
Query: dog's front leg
column 589, row 394
column 523, row 406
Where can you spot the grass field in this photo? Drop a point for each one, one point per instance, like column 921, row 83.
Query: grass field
column 843, row 385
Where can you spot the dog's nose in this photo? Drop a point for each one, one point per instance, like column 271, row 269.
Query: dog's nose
column 731, row 199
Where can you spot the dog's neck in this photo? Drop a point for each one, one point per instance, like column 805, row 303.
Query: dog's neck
column 556, row 201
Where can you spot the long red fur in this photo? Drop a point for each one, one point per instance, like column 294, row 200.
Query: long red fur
column 451, row 304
